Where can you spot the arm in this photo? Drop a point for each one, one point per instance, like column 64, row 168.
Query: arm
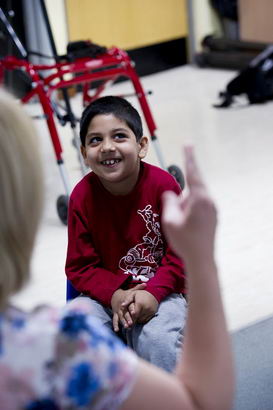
column 204, row 378
column 83, row 265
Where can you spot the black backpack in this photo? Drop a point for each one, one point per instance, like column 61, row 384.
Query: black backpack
column 83, row 49
column 256, row 81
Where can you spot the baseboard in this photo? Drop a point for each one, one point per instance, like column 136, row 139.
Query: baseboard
column 159, row 57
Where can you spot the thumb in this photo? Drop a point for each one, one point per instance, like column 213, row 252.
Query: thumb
column 140, row 286
column 130, row 298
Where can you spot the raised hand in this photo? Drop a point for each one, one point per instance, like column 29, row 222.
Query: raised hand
column 189, row 221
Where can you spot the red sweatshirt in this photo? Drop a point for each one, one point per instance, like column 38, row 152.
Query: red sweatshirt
column 116, row 241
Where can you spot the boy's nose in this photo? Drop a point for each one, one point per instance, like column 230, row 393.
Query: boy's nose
column 108, row 145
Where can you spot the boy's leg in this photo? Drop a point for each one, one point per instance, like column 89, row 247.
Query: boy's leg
column 159, row 341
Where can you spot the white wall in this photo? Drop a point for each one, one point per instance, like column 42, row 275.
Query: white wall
column 57, row 17
column 205, row 22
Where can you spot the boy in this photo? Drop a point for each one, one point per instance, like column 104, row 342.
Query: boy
column 117, row 253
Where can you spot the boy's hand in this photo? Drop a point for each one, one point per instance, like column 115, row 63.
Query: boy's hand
column 122, row 313
column 143, row 306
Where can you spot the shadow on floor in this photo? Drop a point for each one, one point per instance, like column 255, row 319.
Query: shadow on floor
column 253, row 350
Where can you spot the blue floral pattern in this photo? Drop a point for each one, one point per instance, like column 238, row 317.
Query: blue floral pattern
column 52, row 359
column 83, row 384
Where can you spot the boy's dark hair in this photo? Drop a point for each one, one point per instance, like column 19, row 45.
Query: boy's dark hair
column 117, row 106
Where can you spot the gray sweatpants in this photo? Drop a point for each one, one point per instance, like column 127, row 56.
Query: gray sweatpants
column 160, row 340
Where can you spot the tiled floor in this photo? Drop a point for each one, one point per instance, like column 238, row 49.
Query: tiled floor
column 235, row 151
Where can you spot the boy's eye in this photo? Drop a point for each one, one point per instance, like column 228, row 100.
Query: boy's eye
column 120, row 136
column 94, row 140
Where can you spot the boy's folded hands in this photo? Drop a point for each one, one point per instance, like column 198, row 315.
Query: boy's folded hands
column 145, row 306
column 124, row 313
column 134, row 305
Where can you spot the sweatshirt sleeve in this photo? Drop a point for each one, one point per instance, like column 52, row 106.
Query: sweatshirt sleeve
column 170, row 276
column 83, row 266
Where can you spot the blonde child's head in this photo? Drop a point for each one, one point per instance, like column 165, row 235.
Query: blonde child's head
column 20, row 195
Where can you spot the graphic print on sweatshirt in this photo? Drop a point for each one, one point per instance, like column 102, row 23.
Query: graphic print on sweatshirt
column 143, row 259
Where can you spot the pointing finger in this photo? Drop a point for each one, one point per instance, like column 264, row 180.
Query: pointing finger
column 193, row 175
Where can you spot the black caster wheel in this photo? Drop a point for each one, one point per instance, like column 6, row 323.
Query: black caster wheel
column 62, row 208
column 176, row 172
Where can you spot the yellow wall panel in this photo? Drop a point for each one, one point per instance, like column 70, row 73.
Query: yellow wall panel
column 126, row 23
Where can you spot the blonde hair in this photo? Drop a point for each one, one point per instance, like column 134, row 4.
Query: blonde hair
column 20, row 195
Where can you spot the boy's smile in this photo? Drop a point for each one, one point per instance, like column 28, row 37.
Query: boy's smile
column 113, row 153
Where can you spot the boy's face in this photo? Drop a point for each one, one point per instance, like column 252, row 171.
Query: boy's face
column 113, row 154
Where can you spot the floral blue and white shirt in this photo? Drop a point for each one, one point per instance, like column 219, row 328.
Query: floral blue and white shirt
column 52, row 359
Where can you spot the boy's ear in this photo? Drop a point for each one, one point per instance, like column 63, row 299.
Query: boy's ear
column 83, row 151
column 144, row 144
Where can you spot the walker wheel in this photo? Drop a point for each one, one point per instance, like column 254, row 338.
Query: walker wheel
column 176, row 172
column 62, row 208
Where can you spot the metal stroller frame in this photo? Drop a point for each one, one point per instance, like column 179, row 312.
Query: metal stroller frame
column 106, row 67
